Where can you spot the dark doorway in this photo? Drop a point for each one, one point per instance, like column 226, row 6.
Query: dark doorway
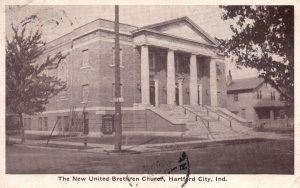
column 152, row 95
column 177, row 96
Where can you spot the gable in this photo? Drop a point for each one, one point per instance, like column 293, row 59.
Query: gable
column 183, row 29
column 266, row 89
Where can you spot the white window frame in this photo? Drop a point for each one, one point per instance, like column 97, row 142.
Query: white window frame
column 82, row 93
column 85, row 62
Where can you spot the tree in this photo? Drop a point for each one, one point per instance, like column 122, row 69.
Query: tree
column 28, row 88
column 263, row 38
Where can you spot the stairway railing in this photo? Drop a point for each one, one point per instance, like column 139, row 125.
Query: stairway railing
column 196, row 116
column 219, row 115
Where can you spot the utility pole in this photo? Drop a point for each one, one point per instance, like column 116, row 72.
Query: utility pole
column 118, row 112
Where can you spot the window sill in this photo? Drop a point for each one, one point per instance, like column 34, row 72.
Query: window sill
column 121, row 66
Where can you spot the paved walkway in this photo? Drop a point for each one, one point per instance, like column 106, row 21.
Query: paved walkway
column 108, row 148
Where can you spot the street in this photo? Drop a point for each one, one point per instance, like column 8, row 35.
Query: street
column 268, row 157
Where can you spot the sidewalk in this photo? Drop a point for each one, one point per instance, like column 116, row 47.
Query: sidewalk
column 149, row 148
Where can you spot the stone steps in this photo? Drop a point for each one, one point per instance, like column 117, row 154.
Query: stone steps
column 218, row 127
column 236, row 125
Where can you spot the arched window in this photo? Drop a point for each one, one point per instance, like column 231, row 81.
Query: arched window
column 62, row 70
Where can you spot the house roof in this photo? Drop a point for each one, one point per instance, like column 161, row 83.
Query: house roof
column 245, row 84
column 268, row 103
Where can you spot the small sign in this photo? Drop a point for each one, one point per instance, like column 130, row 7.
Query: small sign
column 107, row 124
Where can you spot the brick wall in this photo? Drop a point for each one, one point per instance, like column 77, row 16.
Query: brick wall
column 99, row 75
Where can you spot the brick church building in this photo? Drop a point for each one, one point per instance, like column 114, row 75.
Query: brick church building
column 172, row 63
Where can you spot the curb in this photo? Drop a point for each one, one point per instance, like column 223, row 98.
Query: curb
column 151, row 148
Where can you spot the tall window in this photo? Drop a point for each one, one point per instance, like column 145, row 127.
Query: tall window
column 113, row 58
column 152, row 61
column 85, row 58
column 236, row 97
column 85, row 93
column 272, row 95
column 259, row 95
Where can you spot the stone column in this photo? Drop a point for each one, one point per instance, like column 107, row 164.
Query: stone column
column 213, row 83
column 145, row 88
column 170, row 78
column 193, row 80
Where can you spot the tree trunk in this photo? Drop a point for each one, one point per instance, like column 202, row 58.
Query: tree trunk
column 22, row 128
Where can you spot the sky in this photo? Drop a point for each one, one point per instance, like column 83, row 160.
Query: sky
column 71, row 17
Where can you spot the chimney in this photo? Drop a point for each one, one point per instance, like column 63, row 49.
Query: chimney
column 229, row 78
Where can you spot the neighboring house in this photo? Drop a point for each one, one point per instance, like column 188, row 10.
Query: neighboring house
column 172, row 62
column 255, row 100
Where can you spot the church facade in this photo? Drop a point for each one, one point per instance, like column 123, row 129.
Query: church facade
column 173, row 62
